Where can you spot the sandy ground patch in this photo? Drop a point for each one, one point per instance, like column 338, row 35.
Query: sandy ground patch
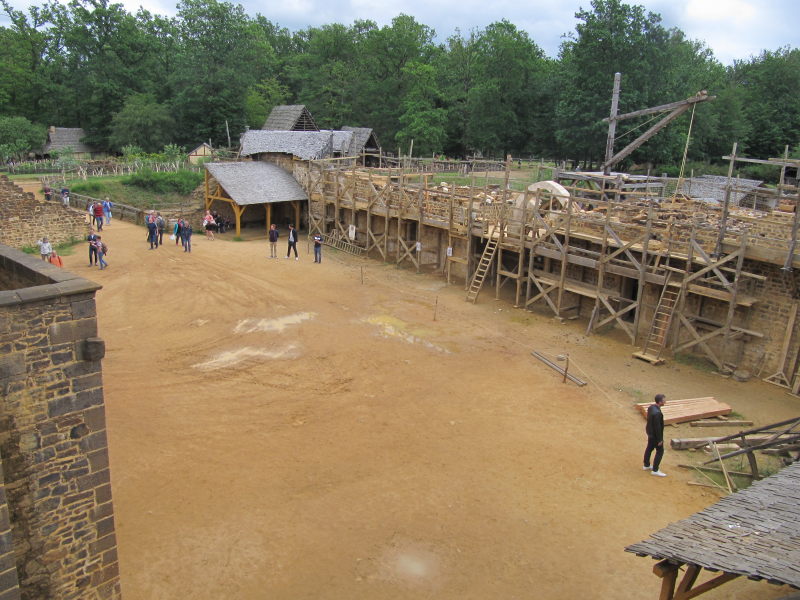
column 279, row 430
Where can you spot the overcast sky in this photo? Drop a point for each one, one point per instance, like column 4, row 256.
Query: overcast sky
column 733, row 29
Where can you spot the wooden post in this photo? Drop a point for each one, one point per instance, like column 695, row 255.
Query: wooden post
column 643, row 271
column 296, row 205
column 723, row 222
column 612, row 123
column 564, row 257
column 470, row 207
column 269, row 215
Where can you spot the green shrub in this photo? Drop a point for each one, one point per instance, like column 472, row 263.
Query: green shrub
column 88, row 188
column 183, row 182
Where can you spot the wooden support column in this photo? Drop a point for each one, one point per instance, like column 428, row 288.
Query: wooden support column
column 668, row 572
column 420, row 223
column 564, row 257
column 521, row 249
column 723, row 223
column 643, row 271
column 470, row 210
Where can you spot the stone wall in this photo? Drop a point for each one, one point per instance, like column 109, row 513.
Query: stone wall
column 53, row 436
column 26, row 219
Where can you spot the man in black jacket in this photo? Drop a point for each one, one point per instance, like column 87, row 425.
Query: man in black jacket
column 655, row 436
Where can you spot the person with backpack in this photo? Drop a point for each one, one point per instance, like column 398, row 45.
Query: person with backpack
column 102, row 250
column 160, row 224
column 152, row 230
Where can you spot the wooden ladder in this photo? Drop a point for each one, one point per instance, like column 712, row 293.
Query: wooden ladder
column 483, row 267
column 335, row 240
column 656, row 339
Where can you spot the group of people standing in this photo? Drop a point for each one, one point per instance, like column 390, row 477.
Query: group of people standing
column 99, row 212
column 97, row 250
column 292, row 247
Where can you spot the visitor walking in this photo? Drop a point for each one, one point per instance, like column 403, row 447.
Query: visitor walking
column 176, row 231
column 97, row 210
column 160, row 225
column 107, row 206
column 292, row 242
column 317, row 248
column 48, row 193
column 655, row 436
column 208, row 224
column 152, row 231
column 92, row 238
column 45, row 248
column 186, row 236
column 102, row 250
column 273, row 241
column 55, row 259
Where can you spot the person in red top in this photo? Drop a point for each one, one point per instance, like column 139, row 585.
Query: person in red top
column 97, row 211
column 55, row 259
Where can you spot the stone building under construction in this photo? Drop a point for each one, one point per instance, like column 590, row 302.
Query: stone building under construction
column 638, row 256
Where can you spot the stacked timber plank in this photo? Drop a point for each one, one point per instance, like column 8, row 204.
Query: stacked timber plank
column 691, row 409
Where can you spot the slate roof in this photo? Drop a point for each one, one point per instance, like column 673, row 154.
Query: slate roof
column 290, row 117
column 342, row 142
column 711, row 188
column 256, row 182
column 364, row 137
column 754, row 532
column 59, row 138
column 305, row 145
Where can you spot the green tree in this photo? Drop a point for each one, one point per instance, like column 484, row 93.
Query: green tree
column 18, row 137
column 770, row 93
column 423, row 119
column 142, row 122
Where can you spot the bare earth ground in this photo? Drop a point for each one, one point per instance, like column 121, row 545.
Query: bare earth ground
column 278, row 429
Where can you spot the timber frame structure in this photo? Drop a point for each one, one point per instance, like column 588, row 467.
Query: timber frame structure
column 670, row 274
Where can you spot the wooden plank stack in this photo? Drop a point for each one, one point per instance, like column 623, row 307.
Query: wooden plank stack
column 691, row 409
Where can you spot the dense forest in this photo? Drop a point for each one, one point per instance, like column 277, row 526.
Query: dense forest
column 147, row 80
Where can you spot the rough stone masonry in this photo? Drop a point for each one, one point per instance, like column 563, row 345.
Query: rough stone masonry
column 57, row 536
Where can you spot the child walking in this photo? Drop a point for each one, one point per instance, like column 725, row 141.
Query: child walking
column 102, row 250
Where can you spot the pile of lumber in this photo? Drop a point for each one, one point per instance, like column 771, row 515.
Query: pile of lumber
column 691, row 409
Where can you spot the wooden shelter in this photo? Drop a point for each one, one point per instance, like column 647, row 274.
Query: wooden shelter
column 754, row 533
column 244, row 185
column 203, row 151
column 290, row 117
column 365, row 142
column 63, row 138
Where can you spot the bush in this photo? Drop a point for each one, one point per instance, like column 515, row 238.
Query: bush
column 183, row 182
column 88, row 188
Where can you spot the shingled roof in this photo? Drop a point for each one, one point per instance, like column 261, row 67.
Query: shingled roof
column 754, row 532
column 711, row 188
column 59, row 138
column 290, row 117
column 363, row 138
column 306, row 145
column 256, row 182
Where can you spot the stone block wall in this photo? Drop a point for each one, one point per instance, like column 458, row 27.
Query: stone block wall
column 53, row 435
column 26, row 219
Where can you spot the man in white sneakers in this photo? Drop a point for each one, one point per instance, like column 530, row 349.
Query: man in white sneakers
column 655, row 436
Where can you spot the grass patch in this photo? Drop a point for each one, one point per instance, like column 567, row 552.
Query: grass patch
column 695, row 362
column 181, row 182
column 63, row 249
column 115, row 190
column 635, row 393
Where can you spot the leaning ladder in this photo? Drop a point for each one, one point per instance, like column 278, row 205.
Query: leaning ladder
column 483, row 265
column 657, row 337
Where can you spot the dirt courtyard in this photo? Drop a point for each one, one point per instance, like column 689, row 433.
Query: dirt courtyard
column 279, row 430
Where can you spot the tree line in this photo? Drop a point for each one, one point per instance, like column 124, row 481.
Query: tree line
column 148, row 80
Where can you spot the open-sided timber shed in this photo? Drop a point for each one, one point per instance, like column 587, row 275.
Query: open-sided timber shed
column 248, row 184
column 754, row 533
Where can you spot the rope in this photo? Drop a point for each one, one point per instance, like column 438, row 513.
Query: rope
column 685, row 152
column 639, row 126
